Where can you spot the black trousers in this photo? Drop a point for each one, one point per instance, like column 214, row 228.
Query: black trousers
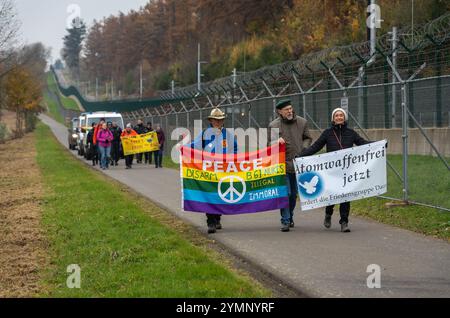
column 344, row 209
column 148, row 157
column 94, row 154
column 212, row 219
column 115, row 151
column 129, row 160
column 158, row 158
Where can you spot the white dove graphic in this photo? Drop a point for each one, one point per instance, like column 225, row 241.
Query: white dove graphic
column 310, row 187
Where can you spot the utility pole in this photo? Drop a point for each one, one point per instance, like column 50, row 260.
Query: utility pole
column 234, row 75
column 373, row 29
column 141, row 86
column 112, row 89
column 412, row 20
column 373, row 23
column 172, row 85
column 96, row 88
column 199, row 70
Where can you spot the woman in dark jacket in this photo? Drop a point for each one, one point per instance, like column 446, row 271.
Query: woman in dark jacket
column 92, row 148
column 337, row 137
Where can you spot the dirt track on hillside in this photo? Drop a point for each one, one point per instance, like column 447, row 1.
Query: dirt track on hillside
column 22, row 244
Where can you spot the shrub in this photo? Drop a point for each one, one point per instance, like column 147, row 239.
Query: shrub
column 4, row 133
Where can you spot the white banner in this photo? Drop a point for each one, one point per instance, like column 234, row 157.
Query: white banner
column 342, row 176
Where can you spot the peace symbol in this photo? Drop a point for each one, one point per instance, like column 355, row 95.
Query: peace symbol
column 231, row 195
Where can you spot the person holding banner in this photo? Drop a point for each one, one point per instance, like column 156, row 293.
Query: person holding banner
column 128, row 131
column 339, row 136
column 140, row 129
column 216, row 140
column 294, row 133
column 115, row 150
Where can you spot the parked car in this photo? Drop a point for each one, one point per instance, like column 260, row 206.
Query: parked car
column 73, row 134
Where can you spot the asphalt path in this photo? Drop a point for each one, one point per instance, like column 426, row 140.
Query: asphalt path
column 311, row 259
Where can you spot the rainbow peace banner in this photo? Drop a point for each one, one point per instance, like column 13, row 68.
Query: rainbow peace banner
column 232, row 184
column 139, row 144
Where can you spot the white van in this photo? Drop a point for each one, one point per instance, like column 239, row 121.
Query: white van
column 108, row 117
column 86, row 121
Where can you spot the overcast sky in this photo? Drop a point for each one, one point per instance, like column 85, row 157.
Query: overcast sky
column 45, row 20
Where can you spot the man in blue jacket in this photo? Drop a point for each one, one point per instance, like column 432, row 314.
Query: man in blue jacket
column 217, row 140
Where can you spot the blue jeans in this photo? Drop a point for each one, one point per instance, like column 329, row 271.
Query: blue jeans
column 104, row 156
column 287, row 214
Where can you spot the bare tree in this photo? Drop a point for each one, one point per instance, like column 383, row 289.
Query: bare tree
column 9, row 31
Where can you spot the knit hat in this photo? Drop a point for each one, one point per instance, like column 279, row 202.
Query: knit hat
column 283, row 103
column 339, row 110
column 129, row 126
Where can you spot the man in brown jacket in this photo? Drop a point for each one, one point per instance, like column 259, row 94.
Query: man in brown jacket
column 291, row 130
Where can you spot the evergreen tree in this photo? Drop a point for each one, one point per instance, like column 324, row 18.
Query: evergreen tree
column 73, row 44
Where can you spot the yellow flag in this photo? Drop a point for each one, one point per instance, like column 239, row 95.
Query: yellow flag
column 139, row 144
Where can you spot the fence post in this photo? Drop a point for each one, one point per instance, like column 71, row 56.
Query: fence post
column 411, row 62
column 394, row 79
column 387, row 123
column 187, row 120
column 360, row 98
column 439, row 88
column 405, row 127
column 232, row 116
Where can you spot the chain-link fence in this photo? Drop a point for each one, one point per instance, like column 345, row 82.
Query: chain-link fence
column 374, row 113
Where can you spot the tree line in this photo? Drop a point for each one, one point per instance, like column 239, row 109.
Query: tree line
column 22, row 72
column 162, row 37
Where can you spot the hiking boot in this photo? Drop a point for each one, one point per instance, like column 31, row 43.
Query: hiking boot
column 345, row 228
column 284, row 228
column 291, row 224
column 211, row 229
column 219, row 226
column 327, row 221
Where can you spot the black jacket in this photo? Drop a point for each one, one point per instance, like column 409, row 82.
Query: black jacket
column 90, row 137
column 141, row 129
column 335, row 137
column 117, row 132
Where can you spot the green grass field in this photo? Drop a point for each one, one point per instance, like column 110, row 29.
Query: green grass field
column 429, row 183
column 120, row 241
column 68, row 103
column 429, row 180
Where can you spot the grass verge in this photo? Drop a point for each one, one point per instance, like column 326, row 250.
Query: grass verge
column 68, row 103
column 121, row 245
column 429, row 182
column 53, row 110
column 415, row 218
